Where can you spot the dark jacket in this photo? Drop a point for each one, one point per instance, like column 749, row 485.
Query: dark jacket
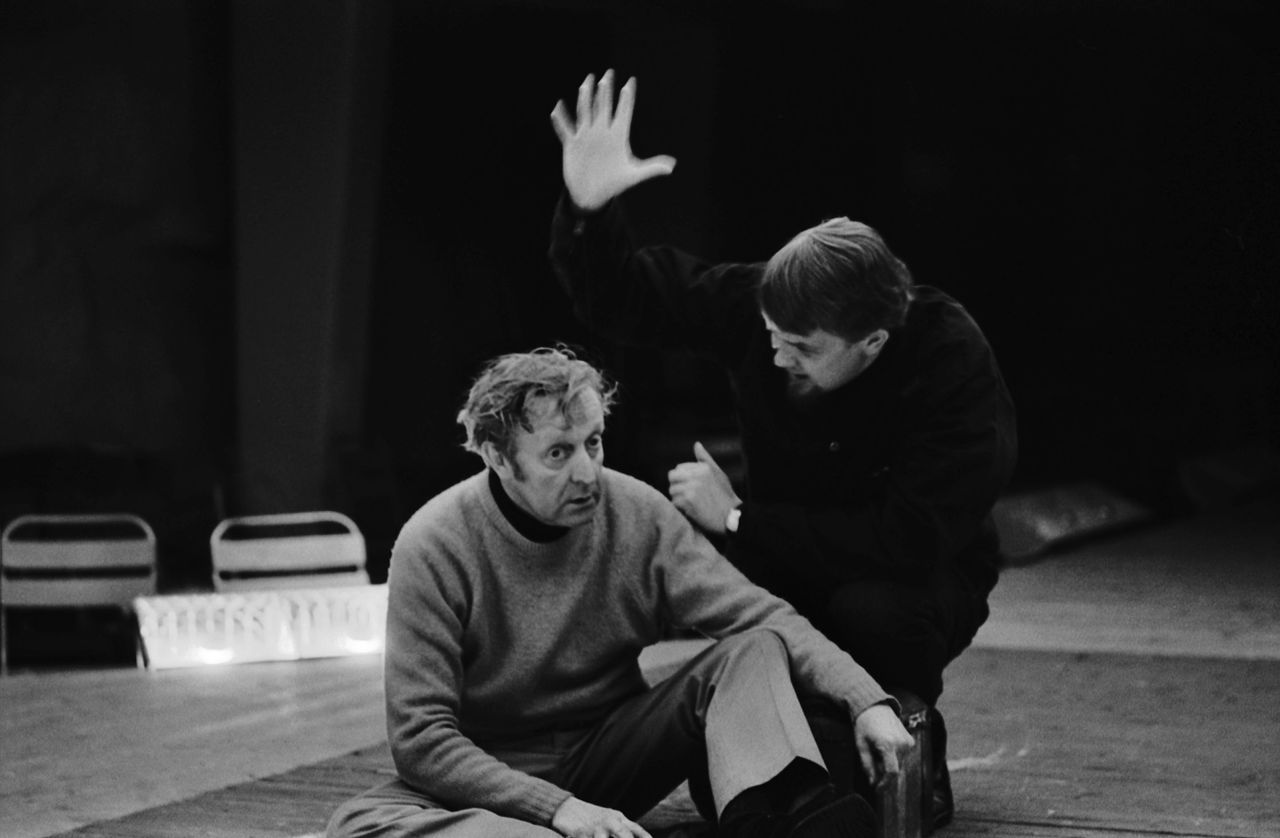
column 892, row 475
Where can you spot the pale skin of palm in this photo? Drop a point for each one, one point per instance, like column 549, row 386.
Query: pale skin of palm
column 598, row 165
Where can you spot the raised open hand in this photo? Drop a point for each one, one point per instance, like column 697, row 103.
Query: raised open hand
column 596, row 147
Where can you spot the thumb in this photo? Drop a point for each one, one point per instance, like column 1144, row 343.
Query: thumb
column 663, row 164
column 889, row 759
column 701, row 455
column 867, row 760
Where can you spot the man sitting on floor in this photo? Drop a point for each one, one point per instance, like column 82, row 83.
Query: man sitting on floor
column 519, row 600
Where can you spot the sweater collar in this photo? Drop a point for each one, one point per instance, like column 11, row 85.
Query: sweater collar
column 524, row 523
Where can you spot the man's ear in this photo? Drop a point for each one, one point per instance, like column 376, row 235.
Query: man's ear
column 496, row 460
column 875, row 341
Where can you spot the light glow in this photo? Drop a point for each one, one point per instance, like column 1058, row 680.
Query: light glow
column 362, row 647
column 278, row 625
column 214, row 657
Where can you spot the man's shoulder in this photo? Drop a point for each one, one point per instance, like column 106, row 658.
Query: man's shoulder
column 934, row 303
column 637, row 505
column 641, row 519
column 462, row 494
column 941, row 323
column 441, row 534
column 945, row 349
column 625, row 490
column 450, row 509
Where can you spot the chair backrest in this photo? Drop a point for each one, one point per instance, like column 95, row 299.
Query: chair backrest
column 288, row 550
column 74, row 560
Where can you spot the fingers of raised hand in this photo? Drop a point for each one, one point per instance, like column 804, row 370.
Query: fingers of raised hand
column 602, row 106
column 626, row 104
column 560, row 121
column 586, row 95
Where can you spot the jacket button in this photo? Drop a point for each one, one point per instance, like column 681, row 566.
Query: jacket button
column 833, row 447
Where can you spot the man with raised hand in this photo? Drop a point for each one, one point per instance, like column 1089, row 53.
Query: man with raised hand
column 519, row 601
column 875, row 424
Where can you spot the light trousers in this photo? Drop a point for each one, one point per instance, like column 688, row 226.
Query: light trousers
column 727, row 721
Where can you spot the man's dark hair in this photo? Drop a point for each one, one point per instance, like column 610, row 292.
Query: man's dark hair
column 838, row 276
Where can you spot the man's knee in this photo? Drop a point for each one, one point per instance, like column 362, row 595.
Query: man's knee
column 356, row 817
column 756, row 640
column 391, row 809
column 894, row 633
column 879, row 612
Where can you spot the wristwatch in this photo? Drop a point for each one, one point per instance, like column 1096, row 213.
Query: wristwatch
column 731, row 521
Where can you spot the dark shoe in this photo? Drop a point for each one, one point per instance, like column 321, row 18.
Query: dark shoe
column 848, row 816
column 942, row 806
column 829, row 815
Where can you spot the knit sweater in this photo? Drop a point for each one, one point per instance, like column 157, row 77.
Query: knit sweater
column 492, row 637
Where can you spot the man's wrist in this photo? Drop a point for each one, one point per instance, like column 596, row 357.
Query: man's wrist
column 578, row 210
column 732, row 520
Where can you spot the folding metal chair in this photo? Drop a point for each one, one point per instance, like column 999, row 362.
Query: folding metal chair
column 68, row 561
column 288, row 550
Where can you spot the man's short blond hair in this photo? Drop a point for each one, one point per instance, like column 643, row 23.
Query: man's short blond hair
column 501, row 396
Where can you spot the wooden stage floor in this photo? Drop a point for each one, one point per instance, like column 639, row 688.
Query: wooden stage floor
column 1130, row 687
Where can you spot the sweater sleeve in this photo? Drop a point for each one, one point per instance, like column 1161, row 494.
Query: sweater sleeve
column 655, row 297
column 427, row 606
column 703, row 591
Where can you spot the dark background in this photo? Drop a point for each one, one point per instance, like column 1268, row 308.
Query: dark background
column 251, row 253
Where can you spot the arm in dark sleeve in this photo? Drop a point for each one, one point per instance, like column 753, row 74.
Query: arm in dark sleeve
column 655, row 297
column 956, row 454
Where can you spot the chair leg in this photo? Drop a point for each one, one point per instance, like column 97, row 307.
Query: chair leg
column 4, row 641
column 139, row 648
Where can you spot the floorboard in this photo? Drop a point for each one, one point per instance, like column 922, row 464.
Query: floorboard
column 1153, row 745
column 126, row 739
column 1043, row 745
column 1205, row 585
